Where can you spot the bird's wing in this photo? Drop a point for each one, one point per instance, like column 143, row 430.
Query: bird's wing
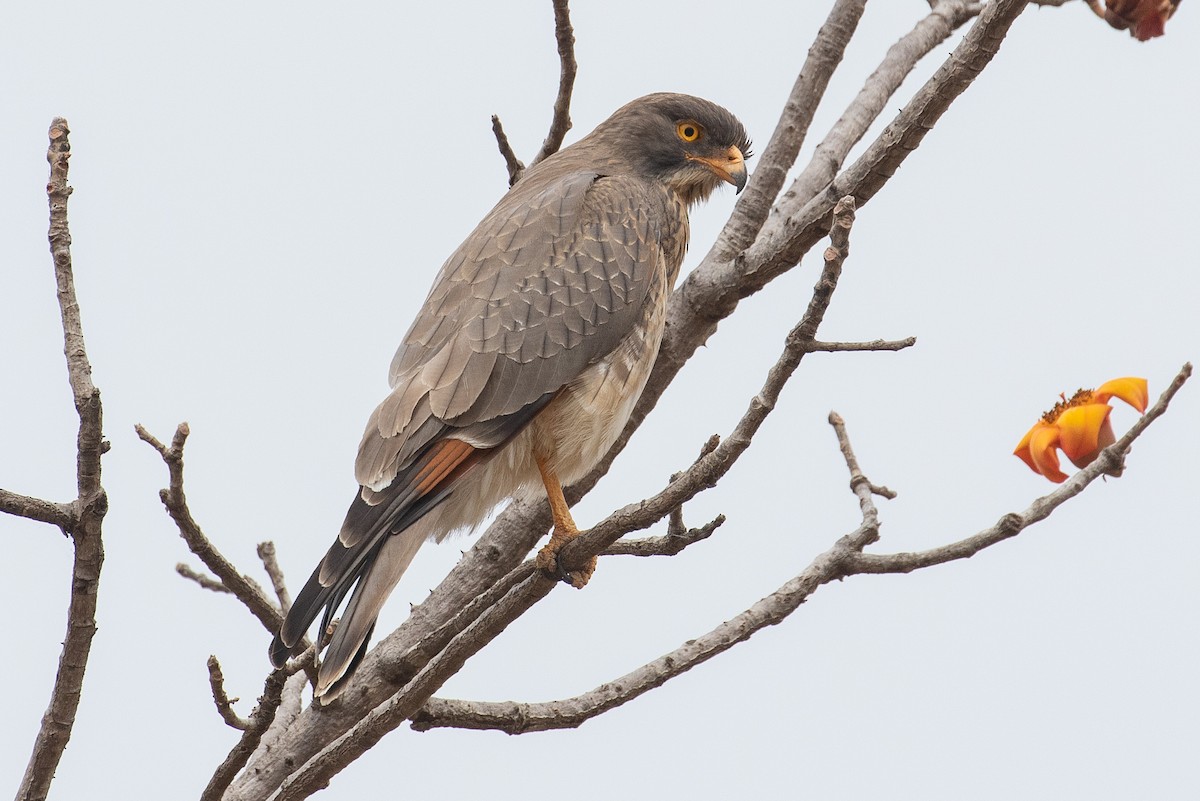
column 549, row 282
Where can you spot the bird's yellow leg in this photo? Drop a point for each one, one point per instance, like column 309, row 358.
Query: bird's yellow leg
column 564, row 530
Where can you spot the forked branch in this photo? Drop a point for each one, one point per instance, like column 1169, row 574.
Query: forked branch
column 560, row 122
column 175, row 501
column 81, row 519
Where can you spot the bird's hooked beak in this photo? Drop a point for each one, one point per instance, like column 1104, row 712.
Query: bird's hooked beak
column 729, row 166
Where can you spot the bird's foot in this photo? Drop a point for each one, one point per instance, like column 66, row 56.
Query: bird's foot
column 548, row 561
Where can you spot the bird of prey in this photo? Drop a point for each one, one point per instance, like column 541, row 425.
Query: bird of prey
column 524, row 363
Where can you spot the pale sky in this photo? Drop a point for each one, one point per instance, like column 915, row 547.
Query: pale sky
column 262, row 197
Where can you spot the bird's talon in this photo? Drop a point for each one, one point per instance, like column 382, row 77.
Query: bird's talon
column 548, row 562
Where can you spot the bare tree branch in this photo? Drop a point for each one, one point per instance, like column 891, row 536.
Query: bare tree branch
column 266, row 552
column 56, row 514
column 216, row 682
column 175, row 501
column 874, row 345
column 513, row 164
column 802, row 224
column 318, row 770
column 88, row 510
column 560, row 122
column 669, row 545
column 824, row 56
column 259, row 722
column 678, row 536
column 930, row 32
column 204, row 580
column 564, row 35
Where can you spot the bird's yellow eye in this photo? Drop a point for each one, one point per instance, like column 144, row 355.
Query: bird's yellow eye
column 689, row 131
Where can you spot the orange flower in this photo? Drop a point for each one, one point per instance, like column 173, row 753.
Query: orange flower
column 1145, row 19
column 1078, row 426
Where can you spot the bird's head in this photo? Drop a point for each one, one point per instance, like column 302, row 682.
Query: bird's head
column 689, row 144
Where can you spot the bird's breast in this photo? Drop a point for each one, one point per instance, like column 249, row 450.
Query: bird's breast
column 581, row 424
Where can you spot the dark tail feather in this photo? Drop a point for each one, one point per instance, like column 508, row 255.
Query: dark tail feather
column 366, row 530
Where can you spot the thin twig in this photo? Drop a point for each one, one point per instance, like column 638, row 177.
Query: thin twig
column 669, row 545
column 874, row 345
column 266, row 552
column 513, row 164
column 175, row 501
column 216, row 682
column 203, row 579
column 257, row 725
column 564, row 36
column 88, row 510
column 868, row 532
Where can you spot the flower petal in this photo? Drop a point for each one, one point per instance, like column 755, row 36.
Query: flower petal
column 1079, row 430
column 1022, row 450
column 1105, row 438
column 1133, row 391
column 1043, row 440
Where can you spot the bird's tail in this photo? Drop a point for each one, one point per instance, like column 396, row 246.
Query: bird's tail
column 352, row 635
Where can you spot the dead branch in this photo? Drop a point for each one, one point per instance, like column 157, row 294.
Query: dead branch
column 364, row 734
column 56, row 514
column 930, row 32
column 83, row 518
column 817, row 346
column 258, row 723
column 216, row 682
column 802, row 223
column 560, row 123
column 676, row 539
column 513, row 164
column 266, row 552
column 518, row 718
column 175, row 501
column 777, row 158
column 204, row 580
